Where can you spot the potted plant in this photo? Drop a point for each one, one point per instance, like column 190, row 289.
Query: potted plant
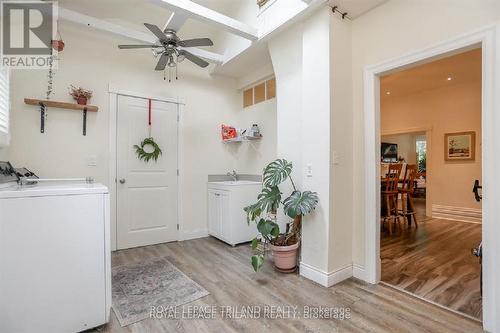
column 80, row 95
column 284, row 245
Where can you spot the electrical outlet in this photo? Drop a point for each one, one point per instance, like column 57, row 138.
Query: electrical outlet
column 92, row 161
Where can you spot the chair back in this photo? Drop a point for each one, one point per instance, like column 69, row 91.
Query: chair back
column 409, row 178
column 392, row 179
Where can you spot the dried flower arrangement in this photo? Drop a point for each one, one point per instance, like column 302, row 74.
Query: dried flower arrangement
column 81, row 95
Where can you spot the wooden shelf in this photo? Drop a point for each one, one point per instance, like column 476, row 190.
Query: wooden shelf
column 60, row 105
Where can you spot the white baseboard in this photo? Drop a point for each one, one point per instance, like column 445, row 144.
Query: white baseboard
column 193, row 234
column 462, row 214
column 358, row 271
column 323, row 278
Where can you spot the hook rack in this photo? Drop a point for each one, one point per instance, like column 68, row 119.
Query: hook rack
column 61, row 105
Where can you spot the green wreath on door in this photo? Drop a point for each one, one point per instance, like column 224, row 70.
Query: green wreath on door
column 145, row 156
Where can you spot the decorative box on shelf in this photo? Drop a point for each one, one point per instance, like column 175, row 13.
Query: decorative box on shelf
column 233, row 134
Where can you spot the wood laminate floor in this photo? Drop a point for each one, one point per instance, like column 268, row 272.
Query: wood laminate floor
column 435, row 262
column 226, row 273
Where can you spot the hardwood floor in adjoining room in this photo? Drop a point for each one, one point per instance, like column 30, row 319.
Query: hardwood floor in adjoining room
column 227, row 275
column 435, row 263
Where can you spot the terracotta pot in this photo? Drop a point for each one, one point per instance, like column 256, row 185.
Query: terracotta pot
column 285, row 257
column 82, row 100
column 58, row 45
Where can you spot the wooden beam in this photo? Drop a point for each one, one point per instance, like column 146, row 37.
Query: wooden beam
column 203, row 14
column 60, row 105
column 89, row 21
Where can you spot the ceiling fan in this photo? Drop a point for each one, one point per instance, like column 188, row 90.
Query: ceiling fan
column 171, row 48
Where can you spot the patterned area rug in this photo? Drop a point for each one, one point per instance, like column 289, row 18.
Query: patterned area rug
column 157, row 282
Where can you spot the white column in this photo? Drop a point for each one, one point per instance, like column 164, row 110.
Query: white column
column 313, row 75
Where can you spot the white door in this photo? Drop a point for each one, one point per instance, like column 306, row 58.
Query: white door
column 224, row 216
column 146, row 191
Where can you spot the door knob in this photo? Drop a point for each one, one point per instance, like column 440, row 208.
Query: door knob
column 122, row 181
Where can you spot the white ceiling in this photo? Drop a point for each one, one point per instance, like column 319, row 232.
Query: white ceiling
column 452, row 70
column 133, row 13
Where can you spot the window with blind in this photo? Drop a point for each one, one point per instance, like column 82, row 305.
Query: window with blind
column 4, row 107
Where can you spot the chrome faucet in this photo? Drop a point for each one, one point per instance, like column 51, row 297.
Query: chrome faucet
column 233, row 175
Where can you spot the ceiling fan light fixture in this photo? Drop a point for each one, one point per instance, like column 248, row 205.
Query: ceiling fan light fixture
column 181, row 57
column 171, row 62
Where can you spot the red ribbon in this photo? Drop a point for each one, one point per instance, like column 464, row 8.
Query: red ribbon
column 149, row 112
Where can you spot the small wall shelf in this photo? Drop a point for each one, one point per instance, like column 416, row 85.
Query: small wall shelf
column 244, row 138
column 61, row 105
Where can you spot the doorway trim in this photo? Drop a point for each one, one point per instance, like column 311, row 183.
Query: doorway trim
column 114, row 92
column 487, row 39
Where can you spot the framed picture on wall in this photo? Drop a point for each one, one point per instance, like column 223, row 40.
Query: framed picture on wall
column 460, row 146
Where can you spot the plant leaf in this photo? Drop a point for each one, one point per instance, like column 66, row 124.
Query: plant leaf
column 255, row 243
column 276, row 172
column 265, row 227
column 253, row 212
column 300, row 203
column 257, row 262
column 269, row 199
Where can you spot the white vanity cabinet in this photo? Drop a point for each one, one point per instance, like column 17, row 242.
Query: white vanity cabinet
column 226, row 218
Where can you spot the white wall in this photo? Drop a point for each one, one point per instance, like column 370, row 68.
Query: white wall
column 251, row 157
column 316, row 133
column 341, row 155
column 3, row 154
column 92, row 60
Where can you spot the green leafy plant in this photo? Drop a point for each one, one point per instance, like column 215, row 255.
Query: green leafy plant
column 263, row 212
column 147, row 156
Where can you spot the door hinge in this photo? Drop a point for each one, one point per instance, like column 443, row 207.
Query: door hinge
column 177, row 226
column 178, row 117
column 177, row 172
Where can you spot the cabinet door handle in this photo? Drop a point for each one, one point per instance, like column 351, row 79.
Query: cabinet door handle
column 217, row 194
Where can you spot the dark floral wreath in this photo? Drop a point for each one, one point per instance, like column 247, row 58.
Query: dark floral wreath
column 144, row 155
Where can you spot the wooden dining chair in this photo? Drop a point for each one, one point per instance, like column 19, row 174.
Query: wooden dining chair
column 390, row 195
column 407, row 191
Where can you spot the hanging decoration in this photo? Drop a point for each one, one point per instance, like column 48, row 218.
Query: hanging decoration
column 58, row 46
column 148, row 143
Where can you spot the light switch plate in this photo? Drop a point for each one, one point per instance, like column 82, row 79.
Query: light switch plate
column 335, row 158
column 309, row 172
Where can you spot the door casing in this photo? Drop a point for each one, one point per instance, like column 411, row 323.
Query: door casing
column 488, row 39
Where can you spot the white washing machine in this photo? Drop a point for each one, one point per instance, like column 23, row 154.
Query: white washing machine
column 55, row 256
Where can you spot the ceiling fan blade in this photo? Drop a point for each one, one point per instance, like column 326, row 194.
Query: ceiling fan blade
column 162, row 63
column 196, row 42
column 123, row 47
column 191, row 57
column 157, row 32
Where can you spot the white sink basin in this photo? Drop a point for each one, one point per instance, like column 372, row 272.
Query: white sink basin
column 235, row 183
